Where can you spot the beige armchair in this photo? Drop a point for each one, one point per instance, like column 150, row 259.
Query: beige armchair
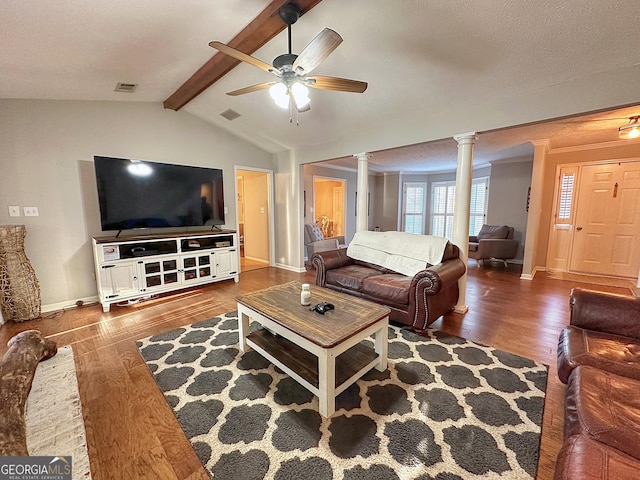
column 315, row 241
column 493, row 242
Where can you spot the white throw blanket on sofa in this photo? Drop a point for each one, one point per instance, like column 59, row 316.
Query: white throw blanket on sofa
column 405, row 253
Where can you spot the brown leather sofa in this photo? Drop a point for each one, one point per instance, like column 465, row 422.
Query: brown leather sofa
column 416, row 301
column 603, row 332
column 599, row 359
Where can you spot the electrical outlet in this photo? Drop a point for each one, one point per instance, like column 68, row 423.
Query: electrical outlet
column 31, row 212
column 14, row 211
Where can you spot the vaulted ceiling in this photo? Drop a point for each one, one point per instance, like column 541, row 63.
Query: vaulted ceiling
column 434, row 68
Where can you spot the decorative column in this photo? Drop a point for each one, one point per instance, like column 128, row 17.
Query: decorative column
column 19, row 287
column 461, row 208
column 541, row 147
column 362, row 189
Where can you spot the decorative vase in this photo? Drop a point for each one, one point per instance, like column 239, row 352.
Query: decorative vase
column 19, row 287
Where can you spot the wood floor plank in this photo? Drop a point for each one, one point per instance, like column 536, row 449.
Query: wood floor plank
column 132, row 432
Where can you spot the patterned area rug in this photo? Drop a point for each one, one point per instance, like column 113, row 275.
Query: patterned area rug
column 445, row 409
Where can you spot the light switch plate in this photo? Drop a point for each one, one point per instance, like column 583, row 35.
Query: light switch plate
column 31, row 212
column 14, row 211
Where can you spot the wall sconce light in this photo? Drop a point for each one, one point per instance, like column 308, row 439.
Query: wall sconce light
column 630, row 130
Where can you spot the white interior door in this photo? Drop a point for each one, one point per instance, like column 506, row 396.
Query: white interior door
column 607, row 226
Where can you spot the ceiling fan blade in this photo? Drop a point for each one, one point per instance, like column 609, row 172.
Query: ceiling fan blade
column 338, row 84
column 252, row 88
column 238, row 55
column 318, row 49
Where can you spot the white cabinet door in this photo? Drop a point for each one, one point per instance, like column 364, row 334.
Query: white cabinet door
column 226, row 263
column 118, row 279
column 197, row 267
column 158, row 273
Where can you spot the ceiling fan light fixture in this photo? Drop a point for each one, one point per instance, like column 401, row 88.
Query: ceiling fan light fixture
column 630, row 130
column 301, row 93
column 278, row 92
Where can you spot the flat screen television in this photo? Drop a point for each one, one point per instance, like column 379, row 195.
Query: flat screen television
column 140, row 194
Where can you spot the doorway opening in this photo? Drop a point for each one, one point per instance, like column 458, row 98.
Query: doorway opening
column 329, row 205
column 254, row 218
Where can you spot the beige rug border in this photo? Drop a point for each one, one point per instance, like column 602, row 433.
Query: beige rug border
column 53, row 413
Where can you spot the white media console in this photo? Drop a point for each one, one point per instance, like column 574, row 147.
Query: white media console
column 129, row 268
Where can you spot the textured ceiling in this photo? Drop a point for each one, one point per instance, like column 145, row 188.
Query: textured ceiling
column 504, row 144
column 435, row 68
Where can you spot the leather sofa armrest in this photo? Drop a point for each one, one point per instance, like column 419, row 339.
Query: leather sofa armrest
column 323, row 261
column 430, row 291
column 473, row 238
column 605, row 312
column 436, row 277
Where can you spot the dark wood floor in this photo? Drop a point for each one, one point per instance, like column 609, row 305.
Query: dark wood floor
column 131, row 431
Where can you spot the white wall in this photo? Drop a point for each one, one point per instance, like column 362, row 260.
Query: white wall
column 387, row 202
column 508, row 190
column 46, row 160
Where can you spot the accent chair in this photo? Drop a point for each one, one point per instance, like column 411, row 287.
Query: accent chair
column 493, row 242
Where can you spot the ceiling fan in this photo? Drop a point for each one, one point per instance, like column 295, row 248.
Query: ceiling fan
column 292, row 71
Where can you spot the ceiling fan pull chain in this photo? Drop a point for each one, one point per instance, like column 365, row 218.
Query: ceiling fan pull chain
column 290, row 111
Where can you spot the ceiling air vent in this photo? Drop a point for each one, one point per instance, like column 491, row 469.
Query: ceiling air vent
column 126, row 87
column 230, row 114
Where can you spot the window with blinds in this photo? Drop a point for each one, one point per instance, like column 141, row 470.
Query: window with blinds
column 413, row 207
column 566, row 196
column 442, row 202
column 566, row 187
column 478, row 204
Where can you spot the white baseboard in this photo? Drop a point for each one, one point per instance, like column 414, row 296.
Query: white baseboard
column 290, row 268
column 53, row 307
column 527, row 276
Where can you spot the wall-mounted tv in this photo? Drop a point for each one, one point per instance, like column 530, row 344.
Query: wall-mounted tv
column 141, row 194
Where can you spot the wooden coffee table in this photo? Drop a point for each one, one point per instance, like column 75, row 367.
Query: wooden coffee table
column 323, row 353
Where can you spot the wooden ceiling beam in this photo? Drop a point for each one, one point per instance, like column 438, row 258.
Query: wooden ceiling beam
column 261, row 29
